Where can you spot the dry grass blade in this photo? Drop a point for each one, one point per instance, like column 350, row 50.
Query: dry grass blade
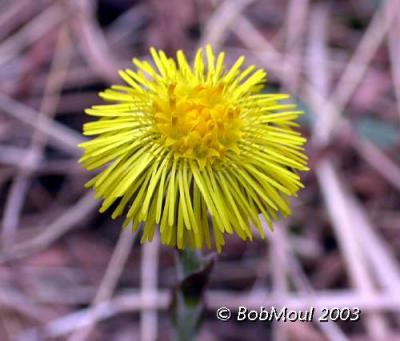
column 107, row 309
column 11, row 299
column 11, row 16
column 341, row 217
column 355, row 69
column 382, row 164
column 12, row 156
column 296, row 26
column 61, row 136
column 284, row 252
column 279, row 265
column 335, row 198
column 92, row 42
column 108, row 283
column 394, row 53
column 269, row 56
column 382, row 260
column 131, row 302
column 221, row 20
column 70, row 218
column 31, row 32
column 34, row 153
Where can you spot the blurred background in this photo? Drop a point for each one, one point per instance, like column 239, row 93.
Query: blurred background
column 69, row 273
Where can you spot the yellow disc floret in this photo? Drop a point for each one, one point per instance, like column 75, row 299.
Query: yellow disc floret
column 198, row 122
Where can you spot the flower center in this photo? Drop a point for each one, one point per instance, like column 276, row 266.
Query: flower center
column 197, row 122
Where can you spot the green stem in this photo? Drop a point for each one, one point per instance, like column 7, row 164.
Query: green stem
column 193, row 272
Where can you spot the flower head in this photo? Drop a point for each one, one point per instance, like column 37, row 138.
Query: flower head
column 197, row 150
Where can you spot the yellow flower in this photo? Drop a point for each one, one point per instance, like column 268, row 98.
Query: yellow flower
column 194, row 149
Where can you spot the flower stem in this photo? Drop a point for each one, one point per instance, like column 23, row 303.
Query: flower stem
column 193, row 273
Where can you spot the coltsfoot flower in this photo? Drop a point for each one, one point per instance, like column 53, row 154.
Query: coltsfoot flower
column 198, row 150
